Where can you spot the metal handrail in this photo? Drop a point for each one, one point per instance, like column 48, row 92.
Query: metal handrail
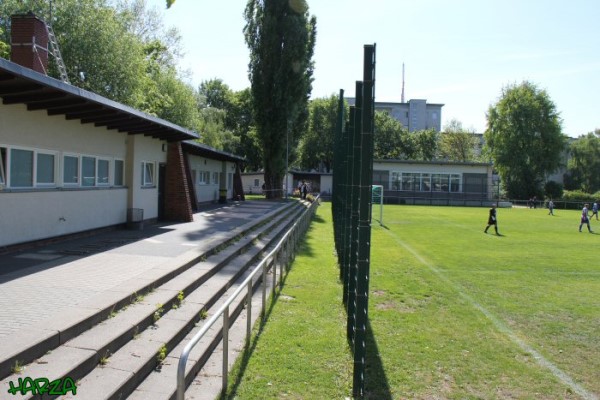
column 263, row 266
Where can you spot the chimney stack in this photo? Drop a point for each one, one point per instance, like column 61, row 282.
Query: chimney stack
column 29, row 42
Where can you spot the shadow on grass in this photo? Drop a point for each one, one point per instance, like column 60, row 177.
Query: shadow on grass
column 376, row 382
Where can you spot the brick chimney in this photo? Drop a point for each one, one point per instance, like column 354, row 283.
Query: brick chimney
column 29, row 42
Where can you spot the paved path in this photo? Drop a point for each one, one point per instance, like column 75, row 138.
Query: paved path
column 42, row 282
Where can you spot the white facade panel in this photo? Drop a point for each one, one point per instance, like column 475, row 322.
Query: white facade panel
column 28, row 216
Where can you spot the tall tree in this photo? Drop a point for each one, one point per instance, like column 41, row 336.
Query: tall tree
column 524, row 138
column 584, row 162
column 390, row 140
column 281, row 37
column 316, row 146
column 457, row 143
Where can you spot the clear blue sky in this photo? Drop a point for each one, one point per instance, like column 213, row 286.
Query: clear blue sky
column 459, row 53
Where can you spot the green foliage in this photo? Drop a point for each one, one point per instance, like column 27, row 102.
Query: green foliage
column 316, row 146
column 580, row 196
column 524, row 138
column 4, row 46
column 553, row 190
column 17, row 367
column 161, row 354
column 390, row 140
column 203, row 314
column 158, row 313
column 281, row 41
column 457, row 143
column 584, row 162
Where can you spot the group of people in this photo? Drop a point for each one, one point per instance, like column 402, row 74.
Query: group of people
column 585, row 216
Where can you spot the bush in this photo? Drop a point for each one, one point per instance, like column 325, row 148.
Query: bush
column 553, row 190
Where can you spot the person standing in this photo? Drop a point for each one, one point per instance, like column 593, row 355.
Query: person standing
column 551, row 207
column 492, row 220
column 585, row 219
column 304, row 189
column 594, row 210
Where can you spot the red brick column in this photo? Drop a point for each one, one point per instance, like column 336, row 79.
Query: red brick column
column 29, row 42
column 177, row 192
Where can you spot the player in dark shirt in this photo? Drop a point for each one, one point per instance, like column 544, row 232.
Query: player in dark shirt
column 492, row 220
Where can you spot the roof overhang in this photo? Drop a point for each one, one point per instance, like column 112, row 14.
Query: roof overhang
column 20, row 85
column 202, row 150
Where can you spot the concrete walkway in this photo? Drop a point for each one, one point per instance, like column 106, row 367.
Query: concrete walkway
column 43, row 283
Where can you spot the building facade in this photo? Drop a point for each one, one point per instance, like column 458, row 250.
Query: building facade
column 73, row 161
column 415, row 115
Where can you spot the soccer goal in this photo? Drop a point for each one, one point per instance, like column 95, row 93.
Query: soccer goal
column 377, row 198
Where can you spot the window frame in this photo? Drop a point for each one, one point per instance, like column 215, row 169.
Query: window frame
column 108, row 172
column 116, row 174
column 3, row 158
column 152, row 182
column 54, row 154
column 91, row 179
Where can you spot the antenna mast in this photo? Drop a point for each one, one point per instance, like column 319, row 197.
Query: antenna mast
column 402, row 96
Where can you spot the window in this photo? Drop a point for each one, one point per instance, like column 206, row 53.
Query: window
column 425, row 183
column 119, row 172
column 229, row 180
column 21, row 168
column 45, row 169
column 71, row 170
column 256, row 183
column 88, row 171
column 396, row 180
column 2, row 166
column 102, row 178
column 436, row 182
column 215, row 178
column 204, row 177
column 455, row 183
column 147, row 174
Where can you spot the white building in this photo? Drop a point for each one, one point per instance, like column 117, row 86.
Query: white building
column 73, row 161
column 416, row 114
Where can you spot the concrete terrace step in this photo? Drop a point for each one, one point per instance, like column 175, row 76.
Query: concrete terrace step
column 130, row 365
column 203, row 279
column 24, row 347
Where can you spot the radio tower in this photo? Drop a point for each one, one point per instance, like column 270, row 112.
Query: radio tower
column 402, row 96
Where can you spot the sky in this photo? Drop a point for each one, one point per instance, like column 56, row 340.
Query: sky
column 460, row 53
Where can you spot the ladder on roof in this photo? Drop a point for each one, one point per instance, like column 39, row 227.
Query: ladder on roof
column 55, row 51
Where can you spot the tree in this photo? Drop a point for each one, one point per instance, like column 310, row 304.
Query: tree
column 316, row 146
column 4, row 47
column 390, row 140
column 457, row 143
column 524, row 138
column 281, row 39
column 584, row 163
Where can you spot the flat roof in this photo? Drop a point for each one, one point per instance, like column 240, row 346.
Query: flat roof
column 21, row 85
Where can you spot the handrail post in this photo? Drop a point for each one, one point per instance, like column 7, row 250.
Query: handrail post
column 276, row 260
column 225, row 348
column 249, row 312
column 264, row 291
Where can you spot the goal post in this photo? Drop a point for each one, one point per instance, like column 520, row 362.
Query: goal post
column 377, row 198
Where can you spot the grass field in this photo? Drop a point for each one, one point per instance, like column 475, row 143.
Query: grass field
column 454, row 313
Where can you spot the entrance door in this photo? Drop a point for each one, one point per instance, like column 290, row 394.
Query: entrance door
column 162, row 173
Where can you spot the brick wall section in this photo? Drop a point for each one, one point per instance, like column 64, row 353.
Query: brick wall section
column 177, row 192
column 27, row 29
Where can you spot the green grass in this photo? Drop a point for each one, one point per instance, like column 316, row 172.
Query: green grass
column 454, row 313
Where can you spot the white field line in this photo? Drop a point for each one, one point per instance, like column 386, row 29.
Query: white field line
column 541, row 360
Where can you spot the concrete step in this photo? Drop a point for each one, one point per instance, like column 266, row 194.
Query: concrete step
column 108, row 351
column 24, row 347
column 131, row 365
